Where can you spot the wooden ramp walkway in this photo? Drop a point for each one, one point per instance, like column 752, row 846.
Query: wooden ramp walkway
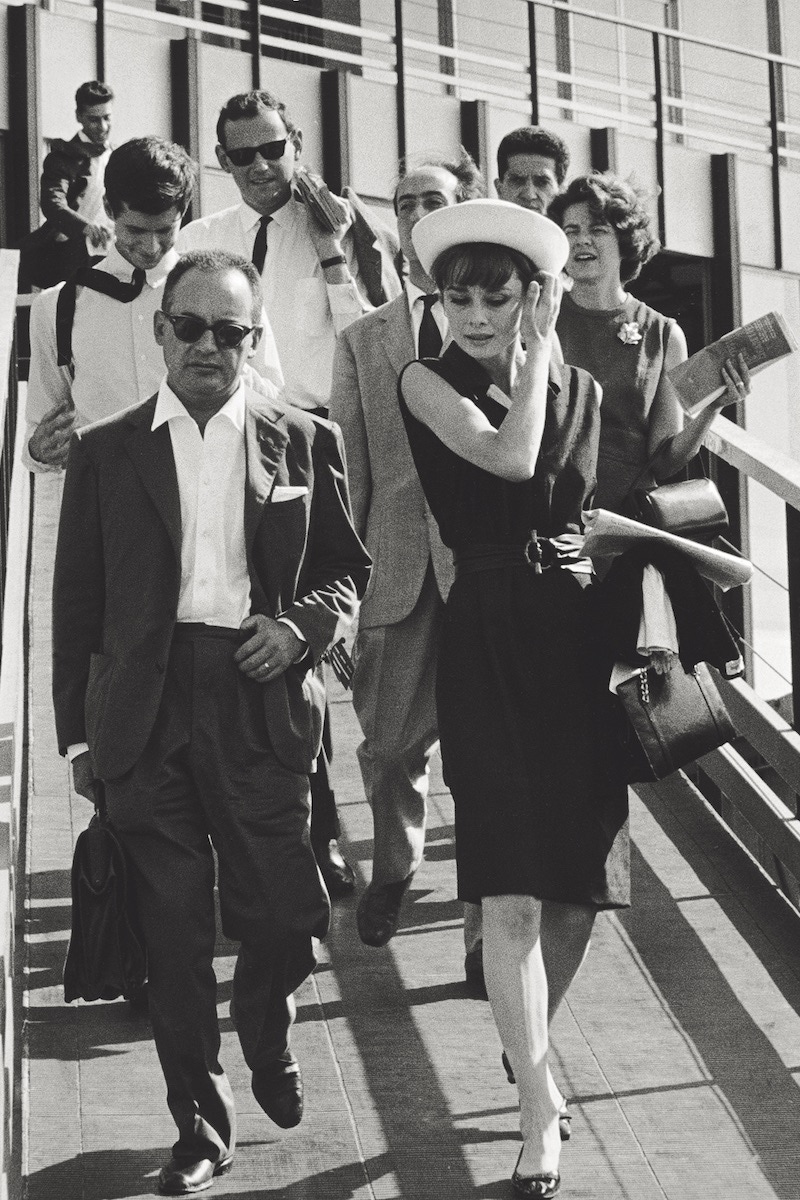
column 680, row 1044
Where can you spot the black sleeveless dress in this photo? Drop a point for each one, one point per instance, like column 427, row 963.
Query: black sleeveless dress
column 540, row 803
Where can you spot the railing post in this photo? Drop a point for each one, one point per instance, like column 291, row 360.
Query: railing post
column 100, row 37
column 793, row 573
column 255, row 44
column 532, row 64
column 659, row 99
column 774, row 114
column 401, row 79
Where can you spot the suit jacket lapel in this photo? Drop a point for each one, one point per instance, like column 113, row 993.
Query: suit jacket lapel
column 151, row 453
column 399, row 335
column 265, row 439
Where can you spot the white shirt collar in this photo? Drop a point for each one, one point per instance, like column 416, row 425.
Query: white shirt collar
column 250, row 218
column 414, row 293
column 118, row 266
column 83, row 138
column 169, row 407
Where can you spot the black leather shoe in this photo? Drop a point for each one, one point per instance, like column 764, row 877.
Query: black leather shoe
column 337, row 873
column 278, row 1088
column 541, row 1186
column 378, row 912
column 181, row 1179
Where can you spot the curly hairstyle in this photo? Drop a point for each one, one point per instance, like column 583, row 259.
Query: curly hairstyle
column 94, row 91
column 620, row 204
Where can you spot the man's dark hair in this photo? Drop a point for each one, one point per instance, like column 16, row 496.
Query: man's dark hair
column 248, row 104
column 620, row 204
column 93, row 92
column 210, row 261
column 532, row 139
column 464, row 168
column 149, row 175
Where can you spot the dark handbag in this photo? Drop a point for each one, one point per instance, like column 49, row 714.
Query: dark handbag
column 676, row 718
column 106, row 956
column 692, row 508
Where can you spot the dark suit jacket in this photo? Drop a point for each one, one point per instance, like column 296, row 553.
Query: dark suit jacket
column 377, row 252
column 117, row 575
column 65, row 173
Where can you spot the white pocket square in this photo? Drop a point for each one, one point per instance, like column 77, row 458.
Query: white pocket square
column 286, row 493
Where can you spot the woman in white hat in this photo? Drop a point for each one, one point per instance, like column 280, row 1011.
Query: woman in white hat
column 506, row 445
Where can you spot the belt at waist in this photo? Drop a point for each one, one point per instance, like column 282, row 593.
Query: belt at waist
column 537, row 554
column 186, row 631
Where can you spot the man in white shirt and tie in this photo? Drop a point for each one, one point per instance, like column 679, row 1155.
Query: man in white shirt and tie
column 393, row 685
column 206, row 560
column 92, row 345
column 316, row 282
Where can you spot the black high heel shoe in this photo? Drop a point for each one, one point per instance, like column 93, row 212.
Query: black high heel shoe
column 564, row 1115
column 542, row 1186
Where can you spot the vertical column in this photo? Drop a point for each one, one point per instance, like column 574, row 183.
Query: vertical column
column 335, row 130
column 184, row 61
column 775, row 117
column 532, row 64
column 25, row 143
column 401, row 79
column 603, row 149
column 100, row 37
column 475, row 133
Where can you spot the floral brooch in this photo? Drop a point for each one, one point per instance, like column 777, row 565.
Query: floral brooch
column 629, row 333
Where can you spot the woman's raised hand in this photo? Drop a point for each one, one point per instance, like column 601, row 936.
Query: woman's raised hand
column 540, row 309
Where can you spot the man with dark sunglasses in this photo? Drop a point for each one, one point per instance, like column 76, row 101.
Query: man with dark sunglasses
column 92, row 346
column 316, row 281
column 206, row 560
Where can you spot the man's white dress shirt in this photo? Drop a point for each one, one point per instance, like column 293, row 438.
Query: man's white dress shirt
column 116, row 358
column 211, row 469
column 305, row 312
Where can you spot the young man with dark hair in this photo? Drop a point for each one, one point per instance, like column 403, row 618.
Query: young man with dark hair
column 71, row 193
column 531, row 166
column 92, row 345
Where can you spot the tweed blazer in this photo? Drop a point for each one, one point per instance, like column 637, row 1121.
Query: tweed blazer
column 389, row 507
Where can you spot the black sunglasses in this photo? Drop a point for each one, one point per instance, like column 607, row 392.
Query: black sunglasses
column 243, row 157
column 227, row 334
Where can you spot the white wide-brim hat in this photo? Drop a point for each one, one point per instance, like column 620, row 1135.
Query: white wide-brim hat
column 495, row 221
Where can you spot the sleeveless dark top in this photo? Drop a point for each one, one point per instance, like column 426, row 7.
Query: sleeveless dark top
column 629, row 373
column 470, row 505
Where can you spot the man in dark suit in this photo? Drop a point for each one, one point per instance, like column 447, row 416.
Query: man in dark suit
column 206, row 560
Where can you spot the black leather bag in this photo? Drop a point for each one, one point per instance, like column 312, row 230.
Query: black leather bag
column 692, row 509
column 106, row 956
column 676, row 718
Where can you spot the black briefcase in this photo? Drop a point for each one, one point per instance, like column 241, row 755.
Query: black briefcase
column 106, row 956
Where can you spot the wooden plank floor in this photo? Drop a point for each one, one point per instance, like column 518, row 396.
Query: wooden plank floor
column 679, row 1046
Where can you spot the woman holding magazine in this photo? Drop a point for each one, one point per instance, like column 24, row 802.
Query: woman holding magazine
column 627, row 346
column 505, row 444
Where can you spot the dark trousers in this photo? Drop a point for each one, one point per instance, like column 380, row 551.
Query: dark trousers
column 324, row 814
column 208, row 776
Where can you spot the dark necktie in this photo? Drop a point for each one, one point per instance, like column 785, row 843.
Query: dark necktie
column 260, row 244
column 430, row 338
column 109, row 285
